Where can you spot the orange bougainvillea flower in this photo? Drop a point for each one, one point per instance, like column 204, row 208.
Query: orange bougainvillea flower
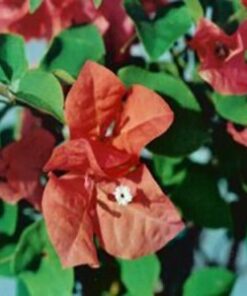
column 21, row 166
column 222, row 57
column 105, row 191
column 239, row 136
column 120, row 32
column 55, row 15
column 12, row 10
column 152, row 5
column 244, row 2
column 49, row 19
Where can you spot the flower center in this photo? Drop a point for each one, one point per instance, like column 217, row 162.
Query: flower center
column 221, row 50
column 110, row 130
column 123, row 195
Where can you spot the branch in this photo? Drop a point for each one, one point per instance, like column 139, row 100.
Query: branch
column 6, row 93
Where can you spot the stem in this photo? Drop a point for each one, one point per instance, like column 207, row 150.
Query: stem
column 5, row 92
column 176, row 61
column 127, row 44
column 6, row 259
column 233, row 255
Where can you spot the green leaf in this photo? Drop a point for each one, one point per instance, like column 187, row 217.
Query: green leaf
column 233, row 108
column 6, row 257
column 140, row 275
column 13, row 62
column 160, row 33
column 72, row 48
column 226, row 9
column 189, row 131
column 170, row 171
column 195, row 9
column 8, row 218
column 8, row 280
column 31, row 245
column 64, row 76
column 199, row 199
column 213, row 281
column 34, row 5
column 230, row 156
column 97, row 3
column 38, row 265
column 42, row 91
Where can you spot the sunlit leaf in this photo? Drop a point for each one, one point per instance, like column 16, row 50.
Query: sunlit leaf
column 195, row 9
column 209, row 281
column 13, row 63
column 141, row 275
column 42, row 91
column 72, row 48
column 64, row 76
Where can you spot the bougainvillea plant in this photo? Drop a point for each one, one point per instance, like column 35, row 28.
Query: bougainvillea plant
column 123, row 147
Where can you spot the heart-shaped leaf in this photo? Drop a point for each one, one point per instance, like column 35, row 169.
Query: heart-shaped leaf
column 160, row 33
column 72, row 48
column 42, row 91
column 13, row 62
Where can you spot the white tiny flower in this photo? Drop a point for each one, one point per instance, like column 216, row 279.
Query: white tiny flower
column 110, row 130
column 123, row 195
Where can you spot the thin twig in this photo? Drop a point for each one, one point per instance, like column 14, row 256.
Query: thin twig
column 6, row 93
column 127, row 44
column 233, row 255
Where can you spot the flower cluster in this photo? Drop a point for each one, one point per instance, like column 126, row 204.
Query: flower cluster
column 21, row 163
column 222, row 57
column 52, row 16
column 105, row 190
column 223, row 63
